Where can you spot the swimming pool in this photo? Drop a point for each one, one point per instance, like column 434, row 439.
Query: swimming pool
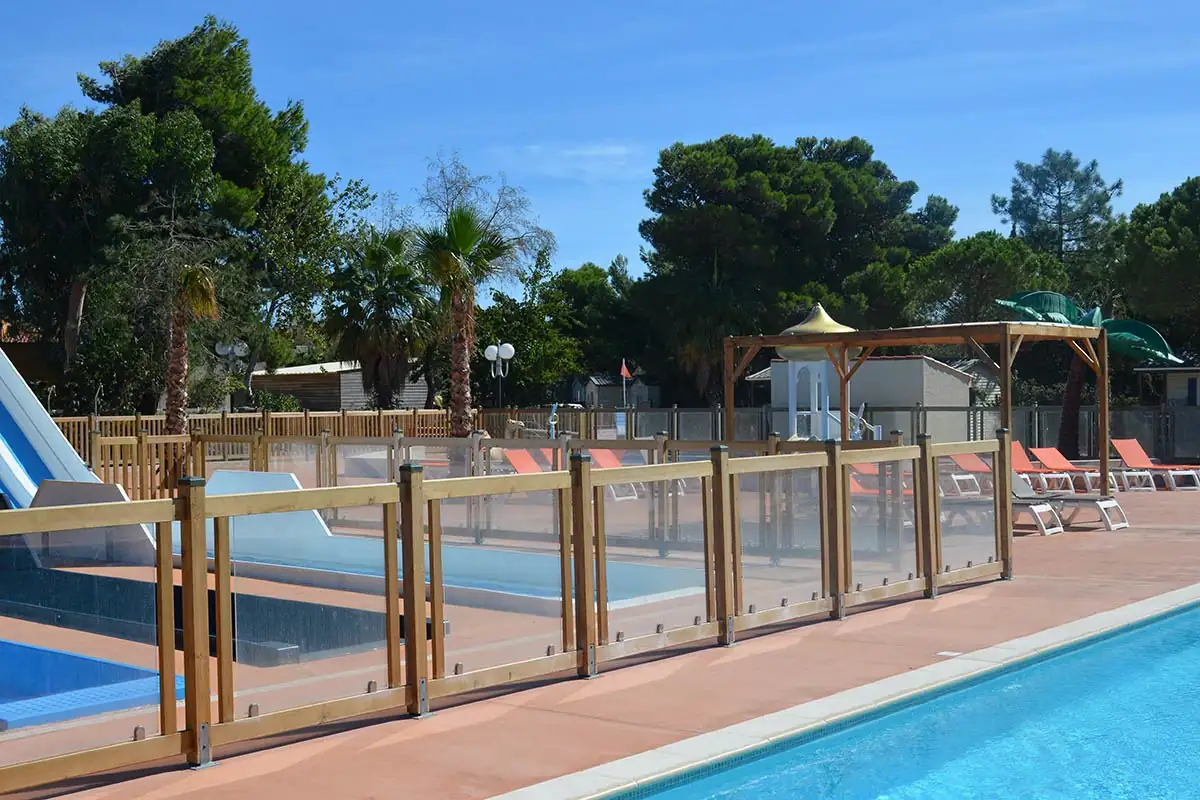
column 39, row 685
column 1115, row 718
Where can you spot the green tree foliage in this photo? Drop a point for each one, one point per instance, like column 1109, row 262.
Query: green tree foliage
column 1161, row 264
column 593, row 311
column 1063, row 207
column 743, row 229
column 375, row 311
column 546, row 358
column 959, row 282
column 179, row 133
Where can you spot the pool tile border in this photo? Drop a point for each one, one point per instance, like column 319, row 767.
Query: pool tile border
column 650, row 770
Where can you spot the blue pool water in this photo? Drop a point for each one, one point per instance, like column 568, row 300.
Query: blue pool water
column 302, row 540
column 39, row 685
column 1118, row 719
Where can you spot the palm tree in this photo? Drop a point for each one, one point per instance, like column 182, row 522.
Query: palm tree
column 1126, row 337
column 460, row 255
column 377, row 309
column 194, row 297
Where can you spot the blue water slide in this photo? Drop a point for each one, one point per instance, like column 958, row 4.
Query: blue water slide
column 32, row 448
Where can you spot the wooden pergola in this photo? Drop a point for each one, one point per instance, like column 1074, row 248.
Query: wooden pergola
column 1090, row 344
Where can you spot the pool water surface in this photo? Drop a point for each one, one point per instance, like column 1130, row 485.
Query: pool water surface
column 1119, row 718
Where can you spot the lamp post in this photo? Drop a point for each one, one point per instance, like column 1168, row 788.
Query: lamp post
column 499, row 354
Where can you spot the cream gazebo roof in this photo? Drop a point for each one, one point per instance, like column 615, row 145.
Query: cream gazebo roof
column 817, row 321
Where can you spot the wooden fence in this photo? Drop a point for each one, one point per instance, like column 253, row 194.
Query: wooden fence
column 909, row 481
column 418, row 422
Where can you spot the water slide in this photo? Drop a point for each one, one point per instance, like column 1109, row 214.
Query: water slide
column 32, row 448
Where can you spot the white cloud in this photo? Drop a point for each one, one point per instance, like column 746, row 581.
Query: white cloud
column 591, row 162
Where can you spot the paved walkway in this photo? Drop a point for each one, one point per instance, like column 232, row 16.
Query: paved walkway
column 494, row 745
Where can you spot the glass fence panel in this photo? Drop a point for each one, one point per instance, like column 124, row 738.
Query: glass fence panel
column 968, row 509
column 501, row 577
column 882, row 523
column 654, row 556
column 779, row 516
column 79, row 661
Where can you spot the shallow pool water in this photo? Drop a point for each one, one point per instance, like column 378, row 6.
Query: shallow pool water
column 1117, row 719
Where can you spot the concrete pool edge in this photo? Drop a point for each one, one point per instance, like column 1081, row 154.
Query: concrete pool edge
column 652, row 769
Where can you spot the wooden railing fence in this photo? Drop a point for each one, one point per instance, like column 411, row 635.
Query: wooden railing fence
column 909, row 489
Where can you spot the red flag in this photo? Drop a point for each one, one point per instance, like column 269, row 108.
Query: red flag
column 625, row 370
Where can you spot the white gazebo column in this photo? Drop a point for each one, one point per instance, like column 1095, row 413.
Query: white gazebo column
column 792, row 373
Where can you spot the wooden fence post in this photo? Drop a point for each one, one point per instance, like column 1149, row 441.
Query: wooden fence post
column 197, row 681
column 199, row 467
column 1002, row 477
column 723, row 553
column 927, row 532
column 585, row 566
column 94, row 452
column 835, row 539
column 412, row 543
column 144, row 468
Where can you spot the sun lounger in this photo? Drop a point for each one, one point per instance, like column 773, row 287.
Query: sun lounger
column 522, row 462
column 1176, row 477
column 1037, row 477
column 970, row 467
column 1054, row 460
column 1025, row 498
column 607, row 459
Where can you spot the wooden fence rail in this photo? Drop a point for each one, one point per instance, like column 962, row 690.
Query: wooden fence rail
column 826, row 485
column 410, row 422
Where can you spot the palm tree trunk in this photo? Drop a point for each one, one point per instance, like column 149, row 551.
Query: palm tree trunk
column 74, row 321
column 462, row 313
column 431, row 371
column 177, row 374
column 1068, row 426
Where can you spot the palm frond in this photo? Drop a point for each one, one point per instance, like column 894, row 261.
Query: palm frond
column 196, row 292
column 1042, row 306
column 1135, row 339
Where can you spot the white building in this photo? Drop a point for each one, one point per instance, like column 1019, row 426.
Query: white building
column 888, row 382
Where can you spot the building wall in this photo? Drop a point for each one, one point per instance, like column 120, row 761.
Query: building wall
column 884, row 382
column 638, row 394
column 316, row 392
column 1177, row 387
column 893, row 382
column 946, row 389
column 353, row 398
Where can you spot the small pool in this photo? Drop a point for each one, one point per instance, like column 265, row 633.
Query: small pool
column 39, row 685
column 1115, row 719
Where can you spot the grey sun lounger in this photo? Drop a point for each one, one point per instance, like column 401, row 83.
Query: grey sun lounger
column 1054, row 511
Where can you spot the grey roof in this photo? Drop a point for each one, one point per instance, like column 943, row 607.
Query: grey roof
column 1172, row 368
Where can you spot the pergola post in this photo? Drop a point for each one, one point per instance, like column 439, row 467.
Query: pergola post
column 1102, row 401
column 730, row 378
column 1006, row 359
column 843, row 371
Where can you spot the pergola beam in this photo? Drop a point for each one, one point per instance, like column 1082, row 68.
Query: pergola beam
column 980, row 332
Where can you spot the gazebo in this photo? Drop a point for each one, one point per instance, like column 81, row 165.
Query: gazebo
column 848, row 349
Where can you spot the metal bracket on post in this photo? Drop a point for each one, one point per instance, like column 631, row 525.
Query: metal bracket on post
column 203, row 747
column 422, row 698
column 591, row 661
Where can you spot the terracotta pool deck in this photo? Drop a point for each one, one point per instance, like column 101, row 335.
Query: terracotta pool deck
column 488, row 746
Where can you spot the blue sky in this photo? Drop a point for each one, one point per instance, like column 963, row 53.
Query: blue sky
column 573, row 101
